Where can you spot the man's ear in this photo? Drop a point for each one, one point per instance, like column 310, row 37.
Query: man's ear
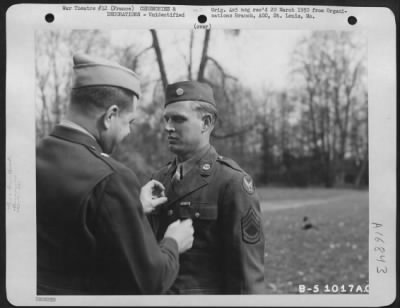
column 110, row 113
column 207, row 122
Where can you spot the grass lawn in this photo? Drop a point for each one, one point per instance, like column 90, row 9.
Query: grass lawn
column 333, row 252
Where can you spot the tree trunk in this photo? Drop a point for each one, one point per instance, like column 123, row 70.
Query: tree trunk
column 203, row 61
column 364, row 165
column 361, row 171
column 157, row 49
column 190, row 65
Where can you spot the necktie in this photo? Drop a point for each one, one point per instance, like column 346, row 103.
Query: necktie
column 178, row 175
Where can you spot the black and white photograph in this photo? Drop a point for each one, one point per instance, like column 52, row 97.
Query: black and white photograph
column 277, row 160
column 219, row 161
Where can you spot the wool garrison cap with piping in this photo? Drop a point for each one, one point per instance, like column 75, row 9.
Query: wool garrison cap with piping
column 189, row 91
column 94, row 71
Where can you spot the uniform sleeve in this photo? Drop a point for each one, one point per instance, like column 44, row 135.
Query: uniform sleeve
column 243, row 237
column 150, row 216
column 126, row 243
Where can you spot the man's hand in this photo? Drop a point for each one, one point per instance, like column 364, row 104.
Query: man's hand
column 182, row 233
column 152, row 195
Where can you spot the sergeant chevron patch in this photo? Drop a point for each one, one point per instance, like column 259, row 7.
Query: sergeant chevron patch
column 251, row 227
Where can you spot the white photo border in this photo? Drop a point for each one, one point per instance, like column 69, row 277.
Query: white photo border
column 23, row 20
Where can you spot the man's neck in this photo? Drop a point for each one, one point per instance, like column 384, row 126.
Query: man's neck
column 193, row 155
column 82, row 122
column 187, row 165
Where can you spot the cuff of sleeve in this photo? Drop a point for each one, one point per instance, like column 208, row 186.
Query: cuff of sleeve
column 170, row 243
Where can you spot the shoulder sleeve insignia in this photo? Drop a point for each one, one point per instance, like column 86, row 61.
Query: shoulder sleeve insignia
column 251, row 225
column 248, row 185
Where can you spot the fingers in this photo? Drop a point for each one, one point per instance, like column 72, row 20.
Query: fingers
column 176, row 222
column 190, row 245
column 158, row 201
column 188, row 222
column 156, row 188
column 153, row 184
column 156, row 183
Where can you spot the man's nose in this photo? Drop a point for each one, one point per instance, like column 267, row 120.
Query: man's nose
column 169, row 127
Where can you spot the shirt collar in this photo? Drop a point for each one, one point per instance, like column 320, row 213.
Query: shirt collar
column 188, row 165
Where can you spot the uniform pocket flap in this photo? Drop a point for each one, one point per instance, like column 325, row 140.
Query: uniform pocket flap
column 203, row 211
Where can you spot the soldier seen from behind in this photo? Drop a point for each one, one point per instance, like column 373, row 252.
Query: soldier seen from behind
column 92, row 233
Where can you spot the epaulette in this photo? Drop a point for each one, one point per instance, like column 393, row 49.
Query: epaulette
column 230, row 163
column 104, row 157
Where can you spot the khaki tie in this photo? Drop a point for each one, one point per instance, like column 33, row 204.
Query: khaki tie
column 178, row 175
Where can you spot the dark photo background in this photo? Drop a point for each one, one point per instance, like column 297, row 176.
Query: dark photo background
column 293, row 112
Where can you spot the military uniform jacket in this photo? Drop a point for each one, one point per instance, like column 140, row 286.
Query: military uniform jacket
column 92, row 234
column 227, row 256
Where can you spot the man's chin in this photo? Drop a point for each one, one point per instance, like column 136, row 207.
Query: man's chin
column 173, row 148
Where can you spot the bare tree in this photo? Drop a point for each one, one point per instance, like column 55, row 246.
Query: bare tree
column 190, row 64
column 204, row 56
column 161, row 66
column 331, row 65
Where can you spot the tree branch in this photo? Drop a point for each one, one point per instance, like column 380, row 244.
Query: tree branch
column 203, row 61
column 157, row 49
column 136, row 59
column 225, row 75
column 190, row 64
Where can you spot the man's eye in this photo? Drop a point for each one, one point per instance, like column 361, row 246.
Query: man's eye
column 178, row 120
column 174, row 119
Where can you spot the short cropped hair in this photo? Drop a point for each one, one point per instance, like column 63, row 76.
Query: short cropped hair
column 99, row 98
column 204, row 108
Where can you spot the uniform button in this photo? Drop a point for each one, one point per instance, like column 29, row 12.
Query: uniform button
column 206, row 167
column 197, row 214
column 170, row 212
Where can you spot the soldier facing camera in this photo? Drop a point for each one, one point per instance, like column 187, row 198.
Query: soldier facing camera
column 227, row 256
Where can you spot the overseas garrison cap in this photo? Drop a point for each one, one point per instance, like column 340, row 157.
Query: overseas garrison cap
column 94, row 71
column 189, row 91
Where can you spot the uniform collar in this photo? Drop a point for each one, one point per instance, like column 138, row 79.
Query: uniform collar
column 73, row 125
column 189, row 164
column 196, row 178
column 76, row 136
column 207, row 162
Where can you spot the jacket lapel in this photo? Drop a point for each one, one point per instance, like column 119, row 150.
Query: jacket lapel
column 166, row 179
column 195, row 179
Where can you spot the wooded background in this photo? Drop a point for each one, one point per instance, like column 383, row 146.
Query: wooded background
column 311, row 132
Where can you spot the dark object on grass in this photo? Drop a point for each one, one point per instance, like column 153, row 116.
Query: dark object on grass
column 307, row 224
